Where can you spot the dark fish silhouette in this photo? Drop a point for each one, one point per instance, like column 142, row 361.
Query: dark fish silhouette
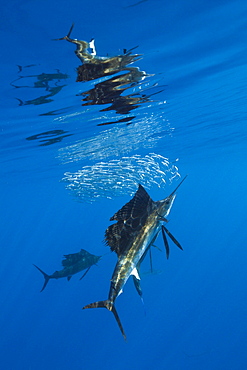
column 138, row 225
column 72, row 264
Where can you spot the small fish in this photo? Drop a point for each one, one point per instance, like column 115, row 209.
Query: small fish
column 72, row 264
column 138, row 225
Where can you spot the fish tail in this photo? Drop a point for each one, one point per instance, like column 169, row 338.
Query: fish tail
column 47, row 277
column 67, row 37
column 110, row 307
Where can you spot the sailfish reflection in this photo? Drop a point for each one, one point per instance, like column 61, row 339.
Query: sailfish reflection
column 109, row 91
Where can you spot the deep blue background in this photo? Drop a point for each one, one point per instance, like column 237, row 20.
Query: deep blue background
column 196, row 308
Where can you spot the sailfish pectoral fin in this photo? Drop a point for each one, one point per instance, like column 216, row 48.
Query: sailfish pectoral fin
column 172, row 238
column 85, row 273
column 139, row 290
column 110, row 307
column 151, row 260
column 165, row 241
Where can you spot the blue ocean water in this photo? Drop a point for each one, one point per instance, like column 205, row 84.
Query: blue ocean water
column 70, row 160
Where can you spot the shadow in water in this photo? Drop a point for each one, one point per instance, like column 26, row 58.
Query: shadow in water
column 49, row 137
column 50, row 82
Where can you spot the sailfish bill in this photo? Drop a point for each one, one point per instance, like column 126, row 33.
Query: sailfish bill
column 138, row 223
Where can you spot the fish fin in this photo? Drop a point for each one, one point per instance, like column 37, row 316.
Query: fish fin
column 165, row 241
column 136, row 207
column 151, row 260
column 135, row 273
column 67, row 36
column 119, row 237
column 172, row 238
column 137, row 285
column 145, row 313
column 47, row 277
column 131, row 217
column 108, row 304
column 114, row 311
column 69, row 277
column 139, row 291
column 120, row 292
column 155, row 246
column 92, row 47
column 73, row 258
column 85, row 273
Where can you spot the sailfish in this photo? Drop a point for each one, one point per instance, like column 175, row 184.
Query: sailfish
column 72, row 264
column 138, row 224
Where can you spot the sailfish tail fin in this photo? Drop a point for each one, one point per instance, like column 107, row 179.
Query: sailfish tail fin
column 108, row 304
column 47, row 277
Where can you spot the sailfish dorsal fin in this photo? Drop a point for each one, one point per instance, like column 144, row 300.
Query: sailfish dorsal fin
column 72, row 258
column 135, row 207
column 131, row 218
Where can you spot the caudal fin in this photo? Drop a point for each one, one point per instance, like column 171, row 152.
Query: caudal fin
column 47, row 277
column 107, row 304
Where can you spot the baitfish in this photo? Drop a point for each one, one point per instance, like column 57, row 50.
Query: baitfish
column 72, row 264
column 138, row 224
